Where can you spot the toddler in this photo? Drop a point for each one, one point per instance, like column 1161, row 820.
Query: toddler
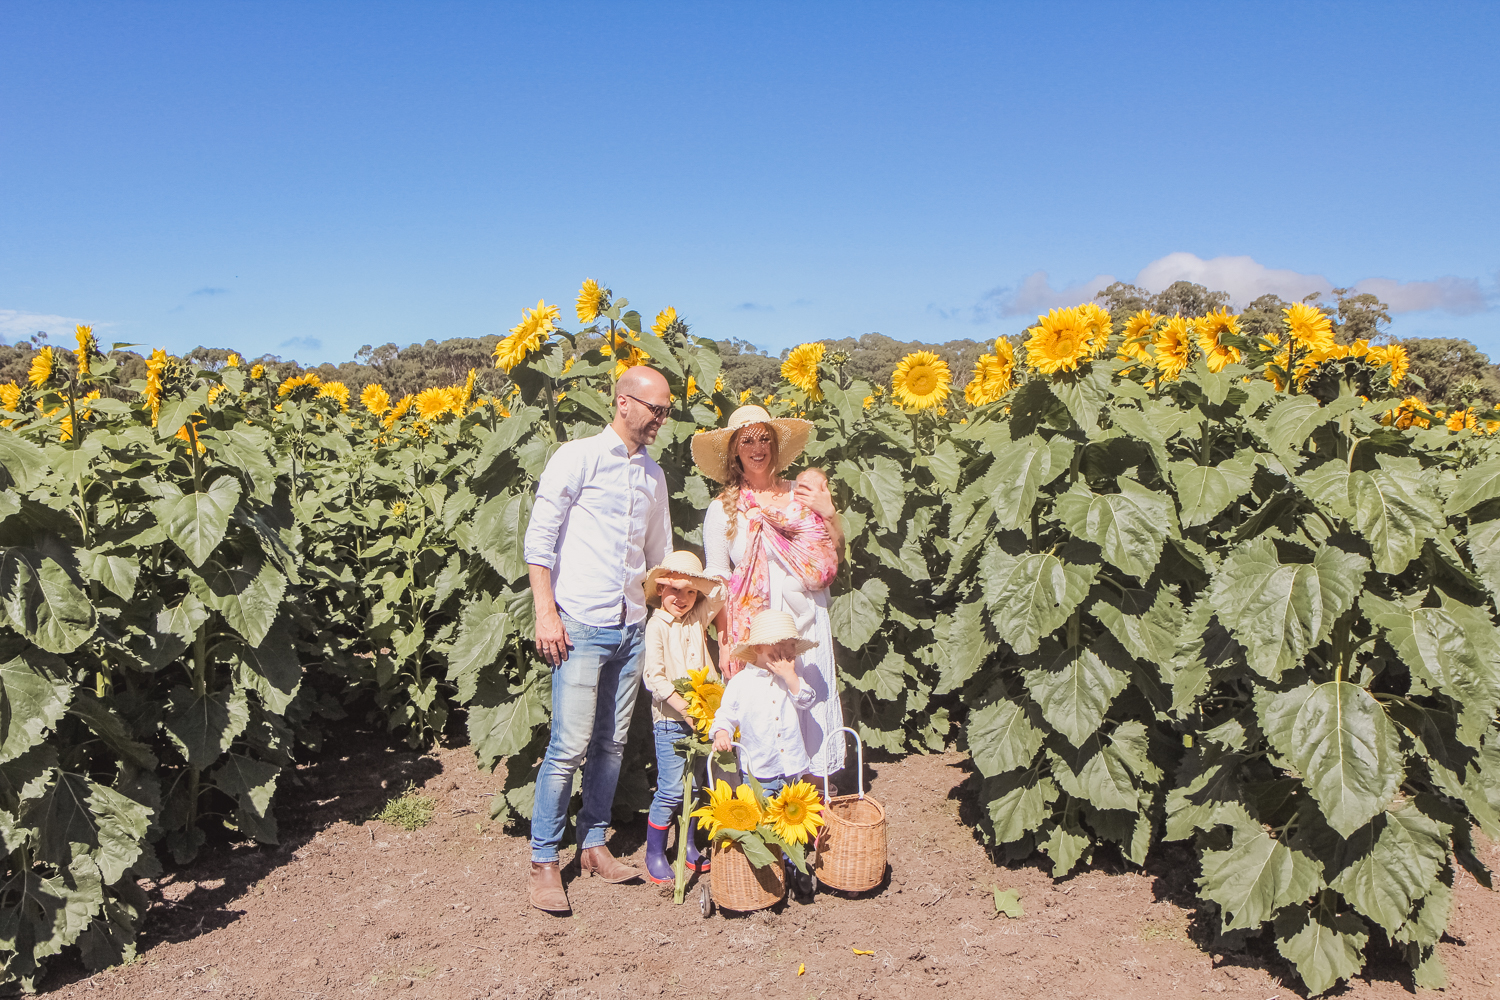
column 763, row 700
column 676, row 643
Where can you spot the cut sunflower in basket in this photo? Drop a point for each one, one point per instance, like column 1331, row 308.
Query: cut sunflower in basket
column 748, row 819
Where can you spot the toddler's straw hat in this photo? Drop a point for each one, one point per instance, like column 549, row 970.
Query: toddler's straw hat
column 769, row 628
column 711, row 448
column 681, row 563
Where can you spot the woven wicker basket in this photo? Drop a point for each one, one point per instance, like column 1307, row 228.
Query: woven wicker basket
column 851, row 848
column 739, row 885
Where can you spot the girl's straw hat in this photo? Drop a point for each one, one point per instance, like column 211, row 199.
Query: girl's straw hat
column 711, row 448
column 769, row 628
column 681, row 563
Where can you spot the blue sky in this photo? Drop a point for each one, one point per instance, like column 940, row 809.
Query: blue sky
column 300, row 179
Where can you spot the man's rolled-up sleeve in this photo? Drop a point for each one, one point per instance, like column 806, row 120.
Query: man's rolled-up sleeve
column 555, row 493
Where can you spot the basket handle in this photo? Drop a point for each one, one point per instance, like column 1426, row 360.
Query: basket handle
column 708, row 763
column 859, row 748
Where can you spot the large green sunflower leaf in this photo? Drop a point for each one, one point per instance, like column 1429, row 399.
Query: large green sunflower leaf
column 34, row 693
column 43, row 602
column 1001, row 737
column 1019, row 802
column 1474, row 487
column 248, row 595
column 857, row 615
column 1396, row 858
column 1257, row 876
column 1278, row 611
column 1323, row 944
column 1074, row 691
column 1205, row 490
column 483, row 630
column 1457, row 658
column 1348, row 753
column 1037, row 596
column 78, row 811
column 204, row 725
column 196, row 522
column 1130, row 526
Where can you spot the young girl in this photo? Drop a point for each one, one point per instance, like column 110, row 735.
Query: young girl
column 676, row 643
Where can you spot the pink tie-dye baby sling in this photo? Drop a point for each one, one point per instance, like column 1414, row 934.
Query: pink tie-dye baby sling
column 801, row 541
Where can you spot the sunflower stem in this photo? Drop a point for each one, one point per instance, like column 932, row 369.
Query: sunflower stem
column 679, row 866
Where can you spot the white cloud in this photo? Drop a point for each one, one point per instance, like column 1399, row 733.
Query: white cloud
column 1244, row 278
column 16, row 324
column 1460, row 296
column 1036, row 295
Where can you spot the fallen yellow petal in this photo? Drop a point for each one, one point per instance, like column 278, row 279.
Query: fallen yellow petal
column 858, row 952
column 801, row 968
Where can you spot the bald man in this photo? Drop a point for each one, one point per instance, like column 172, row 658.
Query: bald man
column 599, row 521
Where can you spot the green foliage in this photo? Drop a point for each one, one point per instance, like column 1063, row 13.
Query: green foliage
column 410, row 810
column 1244, row 620
column 1202, row 610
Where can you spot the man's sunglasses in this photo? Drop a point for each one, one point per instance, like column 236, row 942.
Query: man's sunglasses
column 659, row 412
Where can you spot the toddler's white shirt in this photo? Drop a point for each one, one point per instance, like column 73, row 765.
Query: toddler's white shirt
column 758, row 703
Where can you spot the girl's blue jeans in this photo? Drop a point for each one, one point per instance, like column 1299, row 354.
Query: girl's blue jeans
column 669, row 766
column 593, row 695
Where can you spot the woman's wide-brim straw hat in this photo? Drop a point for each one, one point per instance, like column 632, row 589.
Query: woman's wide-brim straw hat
column 680, row 564
column 769, row 628
column 711, row 448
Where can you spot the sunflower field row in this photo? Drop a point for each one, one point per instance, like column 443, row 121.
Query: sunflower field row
column 1162, row 580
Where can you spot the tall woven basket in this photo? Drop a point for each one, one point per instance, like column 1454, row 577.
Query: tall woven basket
column 851, row 852
column 739, row 885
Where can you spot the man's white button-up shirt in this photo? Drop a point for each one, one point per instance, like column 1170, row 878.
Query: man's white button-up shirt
column 599, row 522
column 758, row 702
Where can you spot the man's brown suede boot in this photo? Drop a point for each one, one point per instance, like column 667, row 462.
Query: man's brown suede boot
column 547, row 892
column 598, row 861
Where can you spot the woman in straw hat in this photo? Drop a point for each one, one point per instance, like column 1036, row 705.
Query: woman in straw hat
column 777, row 543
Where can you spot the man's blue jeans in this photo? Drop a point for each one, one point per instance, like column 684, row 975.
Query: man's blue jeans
column 593, row 696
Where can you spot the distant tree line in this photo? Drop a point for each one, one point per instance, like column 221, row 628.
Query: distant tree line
column 1454, row 371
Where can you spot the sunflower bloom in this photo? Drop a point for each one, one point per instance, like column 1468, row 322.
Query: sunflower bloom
column 1211, row 330
column 667, row 322
column 398, row 508
column 1411, row 413
column 703, row 702
column 1393, row 355
column 921, row 381
column 10, row 399
column 990, row 381
column 41, row 368
column 336, row 390
column 592, row 300
column 731, row 809
column 793, row 813
column 291, row 385
column 1059, row 342
column 87, row 347
column 745, row 397
column 431, row 404
column 233, row 361
column 801, row 368
column 1310, row 327
column 1100, row 326
column 257, row 371
column 375, row 398
column 398, row 411
column 526, row 336
column 1173, row 348
column 155, row 365
column 634, row 356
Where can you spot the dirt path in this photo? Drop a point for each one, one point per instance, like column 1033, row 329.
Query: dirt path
column 361, row 909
